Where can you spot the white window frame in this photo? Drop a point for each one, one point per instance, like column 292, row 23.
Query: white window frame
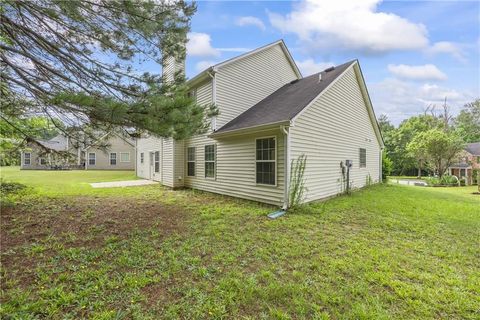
column 194, row 161
column 110, row 159
column 142, row 157
column 125, row 153
column 94, row 159
column 156, row 160
column 275, row 161
column 360, row 158
column 25, row 158
column 210, row 161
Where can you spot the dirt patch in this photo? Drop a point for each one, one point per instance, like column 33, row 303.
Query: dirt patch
column 79, row 222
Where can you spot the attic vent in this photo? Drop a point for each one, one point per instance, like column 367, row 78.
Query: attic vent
column 294, row 81
column 329, row 69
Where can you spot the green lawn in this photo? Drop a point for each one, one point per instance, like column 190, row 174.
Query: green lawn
column 69, row 182
column 386, row 252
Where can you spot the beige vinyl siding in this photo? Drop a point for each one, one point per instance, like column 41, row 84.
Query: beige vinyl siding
column 146, row 169
column 179, row 160
column 204, row 93
column 331, row 130
column 170, row 67
column 35, row 156
column 167, row 162
column 116, row 145
column 235, row 168
column 243, row 83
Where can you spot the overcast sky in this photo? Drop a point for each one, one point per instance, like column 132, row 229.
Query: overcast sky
column 412, row 53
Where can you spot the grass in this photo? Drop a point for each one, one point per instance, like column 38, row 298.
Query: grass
column 386, row 252
column 61, row 183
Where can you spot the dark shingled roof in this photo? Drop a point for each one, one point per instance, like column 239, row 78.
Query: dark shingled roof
column 285, row 103
column 473, row 148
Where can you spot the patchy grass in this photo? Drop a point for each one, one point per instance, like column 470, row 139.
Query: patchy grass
column 148, row 252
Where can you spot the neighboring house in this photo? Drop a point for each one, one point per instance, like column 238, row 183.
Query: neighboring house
column 469, row 161
column 268, row 116
column 119, row 155
column 110, row 152
column 35, row 155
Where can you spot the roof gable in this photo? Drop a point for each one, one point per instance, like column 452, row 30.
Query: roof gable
column 288, row 101
column 204, row 74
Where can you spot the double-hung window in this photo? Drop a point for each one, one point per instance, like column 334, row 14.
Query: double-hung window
column 113, row 159
column 124, row 156
column 142, row 155
column 157, row 161
column 191, row 161
column 43, row 161
column 27, row 158
column 266, row 161
column 363, row 158
column 92, row 158
column 210, row 161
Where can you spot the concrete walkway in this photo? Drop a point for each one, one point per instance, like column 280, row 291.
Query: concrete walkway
column 117, row 184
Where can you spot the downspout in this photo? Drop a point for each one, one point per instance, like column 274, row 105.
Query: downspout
column 212, row 73
column 286, row 148
column 136, row 155
column 380, row 167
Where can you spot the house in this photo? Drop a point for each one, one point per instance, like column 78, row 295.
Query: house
column 268, row 116
column 111, row 152
column 469, row 162
column 43, row 154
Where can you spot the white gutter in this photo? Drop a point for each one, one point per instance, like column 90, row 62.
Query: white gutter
column 286, row 147
column 212, row 73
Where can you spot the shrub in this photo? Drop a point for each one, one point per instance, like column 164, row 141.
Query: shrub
column 463, row 181
column 433, row 181
column 387, row 166
column 11, row 187
column 449, row 180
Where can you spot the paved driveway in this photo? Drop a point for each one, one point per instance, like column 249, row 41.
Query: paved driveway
column 127, row 183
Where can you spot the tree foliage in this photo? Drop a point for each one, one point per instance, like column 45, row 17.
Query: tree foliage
column 467, row 123
column 439, row 148
column 81, row 61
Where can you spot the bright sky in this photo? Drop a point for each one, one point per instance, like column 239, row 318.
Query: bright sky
column 412, row 53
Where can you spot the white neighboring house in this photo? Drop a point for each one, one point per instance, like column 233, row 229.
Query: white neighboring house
column 268, row 115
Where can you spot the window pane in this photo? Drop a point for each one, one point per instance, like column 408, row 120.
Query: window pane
column 363, row 157
column 125, row 157
column 191, row 169
column 210, row 169
column 210, row 153
column 113, row 159
column 91, row 159
column 26, row 158
column 141, row 157
column 157, row 161
column 266, row 172
column 265, row 149
column 191, row 154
